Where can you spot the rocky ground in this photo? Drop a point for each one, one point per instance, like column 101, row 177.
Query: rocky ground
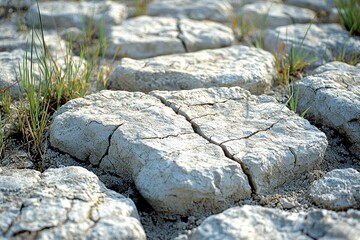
column 196, row 141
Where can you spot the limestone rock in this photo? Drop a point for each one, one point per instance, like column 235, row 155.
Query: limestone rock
column 239, row 3
column 17, row 3
column 333, row 93
column 214, row 10
column 255, row 222
column 140, row 139
column 337, row 190
column 145, row 36
column 9, row 74
column 65, row 14
column 269, row 14
column 319, row 5
column 251, row 68
column 272, row 144
column 66, row 203
column 324, row 41
column 11, row 38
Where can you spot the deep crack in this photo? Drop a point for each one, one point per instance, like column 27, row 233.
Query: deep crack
column 226, row 153
column 109, row 143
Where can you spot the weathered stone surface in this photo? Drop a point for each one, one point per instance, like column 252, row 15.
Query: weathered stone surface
column 319, row 5
column 64, row 203
column 272, row 144
column 17, row 3
column 9, row 74
column 137, row 137
column 251, row 68
column 214, row 10
column 65, row 14
column 269, row 14
column 325, row 41
column 239, row 3
column 333, row 93
column 255, row 222
column 337, row 190
column 144, row 37
column 10, row 37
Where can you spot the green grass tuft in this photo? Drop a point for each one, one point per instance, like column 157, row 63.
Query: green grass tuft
column 349, row 14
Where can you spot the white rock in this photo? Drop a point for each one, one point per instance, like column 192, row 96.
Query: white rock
column 269, row 14
column 214, row 10
column 239, row 3
column 318, row 5
column 251, row 68
column 144, row 37
column 140, row 139
column 255, row 222
column 64, row 203
column 325, row 41
column 333, row 93
column 11, row 38
column 9, row 74
column 17, row 3
column 65, row 14
column 337, row 190
column 272, row 144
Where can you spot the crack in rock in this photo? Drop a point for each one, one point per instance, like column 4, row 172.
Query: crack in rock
column 164, row 137
column 294, row 154
column 248, row 136
column 109, row 143
column 250, row 181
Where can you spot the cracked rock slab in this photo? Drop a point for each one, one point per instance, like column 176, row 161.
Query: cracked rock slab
column 255, row 222
column 333, row 92
column 326, row 42
column 269, row 14
column 137, row 137
column 337, row 190
column 63, row 203
column 214, row 10
column 144, row 37
column 272, row 143
column 250, row 68
column 66, row 14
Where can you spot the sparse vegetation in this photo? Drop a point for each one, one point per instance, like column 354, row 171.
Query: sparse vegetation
column 291, row 63
column 349, row 14
column 293, row 100
column 48, row 82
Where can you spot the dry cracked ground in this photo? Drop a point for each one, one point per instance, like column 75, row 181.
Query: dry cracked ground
column 192, row 139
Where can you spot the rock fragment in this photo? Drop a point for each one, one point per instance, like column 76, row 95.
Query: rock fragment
column 250, row 68
column 255, row 222
column 144, row 37
column 269, row 14
column 66, row 14
column 65, row 203
column 337, row 190
column 333, row 92
column 138, row 138
column 326, row 42
column 214, row 10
